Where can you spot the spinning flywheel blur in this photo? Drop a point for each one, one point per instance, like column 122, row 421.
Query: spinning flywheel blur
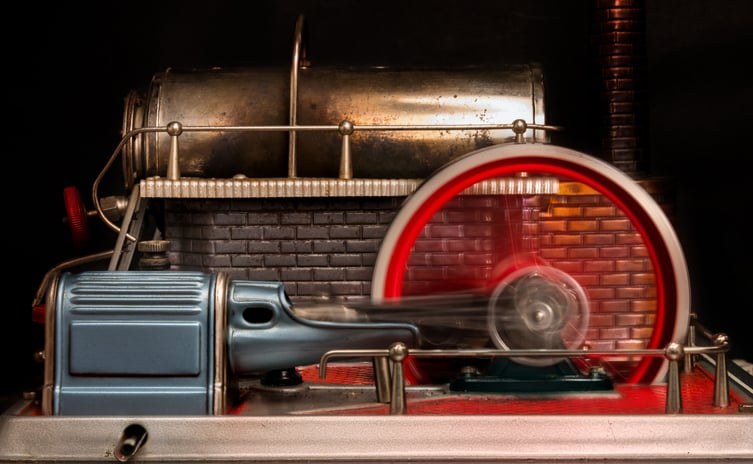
column 571, row 252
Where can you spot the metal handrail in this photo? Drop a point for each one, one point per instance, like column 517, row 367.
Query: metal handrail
column 345, row 128
column 721, row 382
column 397, row 352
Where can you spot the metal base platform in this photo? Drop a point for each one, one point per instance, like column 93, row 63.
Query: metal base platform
column 326, row 420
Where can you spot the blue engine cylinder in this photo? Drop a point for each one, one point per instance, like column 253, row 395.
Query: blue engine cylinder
column 134, row 342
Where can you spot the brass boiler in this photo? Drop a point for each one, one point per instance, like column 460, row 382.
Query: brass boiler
column 327, row 96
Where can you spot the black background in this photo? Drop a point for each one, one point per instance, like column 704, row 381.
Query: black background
column 68, row 67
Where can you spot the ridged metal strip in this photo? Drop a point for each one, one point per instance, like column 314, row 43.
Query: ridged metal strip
column 155, row 187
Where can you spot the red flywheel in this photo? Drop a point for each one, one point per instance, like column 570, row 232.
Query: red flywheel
column 558, row 232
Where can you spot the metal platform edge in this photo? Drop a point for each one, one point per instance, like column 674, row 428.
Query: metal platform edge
column 415, row 439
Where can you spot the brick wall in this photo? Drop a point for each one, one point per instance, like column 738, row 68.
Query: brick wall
column 316, row 246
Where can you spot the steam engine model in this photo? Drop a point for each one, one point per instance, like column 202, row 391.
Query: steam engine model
column 342, row 264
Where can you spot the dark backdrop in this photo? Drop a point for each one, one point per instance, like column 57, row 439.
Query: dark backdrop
column 68, row 67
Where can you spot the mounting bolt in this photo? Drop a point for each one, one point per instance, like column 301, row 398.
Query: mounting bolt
column 154, row 255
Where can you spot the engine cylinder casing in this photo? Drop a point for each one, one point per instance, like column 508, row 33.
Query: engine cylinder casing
column 136, row 342
column 327, row 96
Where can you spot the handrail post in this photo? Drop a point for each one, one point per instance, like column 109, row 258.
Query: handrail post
column 689, row 363
column 721, row 386
column 674, row 352
column 398, row 352
column 519, row 127
column 382, row 379
column 174, row 129
column 346, row 165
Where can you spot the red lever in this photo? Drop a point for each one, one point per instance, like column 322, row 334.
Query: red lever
column 77, row 216
column 38, row 313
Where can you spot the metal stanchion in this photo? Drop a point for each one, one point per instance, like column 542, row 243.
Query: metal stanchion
column 174, row 129
column 346, row 165
column 721, row 386
column 689, row 363
column 674, row 352
column 398, row 352
column 382, row 379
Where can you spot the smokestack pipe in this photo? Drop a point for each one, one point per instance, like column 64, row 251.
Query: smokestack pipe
column 619, row 36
